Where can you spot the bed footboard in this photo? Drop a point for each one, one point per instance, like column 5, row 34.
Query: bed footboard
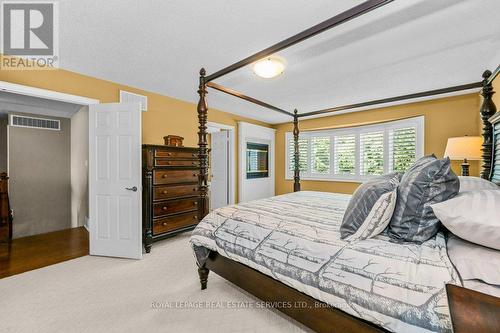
column 312, row 313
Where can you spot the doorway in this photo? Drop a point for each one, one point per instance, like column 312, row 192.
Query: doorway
column 44, row 152
column 222, row 165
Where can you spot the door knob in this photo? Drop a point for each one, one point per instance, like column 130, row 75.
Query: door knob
column 133, row 189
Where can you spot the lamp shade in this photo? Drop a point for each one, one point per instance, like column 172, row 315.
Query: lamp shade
column 464, row 147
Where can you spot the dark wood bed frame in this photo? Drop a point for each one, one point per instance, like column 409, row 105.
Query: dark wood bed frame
column 312, row 313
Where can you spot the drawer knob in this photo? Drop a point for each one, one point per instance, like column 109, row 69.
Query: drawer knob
column 194, row 189
column 164, row 208
column 169, row 154
column 195, row 203
column 167, row 163
column 164, row 224
column 195, row 217
column 194, row 163
column 164, row 192
column 194, row 174
column 194, row 155
column 164, row 176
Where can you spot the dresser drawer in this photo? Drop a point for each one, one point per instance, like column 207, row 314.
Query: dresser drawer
column 175, row 176
column 176, row 154
column 171, row 223
column 170, row 162
column 169, row 192
column 176, row 206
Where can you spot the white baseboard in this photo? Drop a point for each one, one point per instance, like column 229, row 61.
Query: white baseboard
column 86, row 225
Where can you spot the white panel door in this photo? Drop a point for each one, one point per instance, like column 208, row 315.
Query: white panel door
column 115, row 180
column 219, row 184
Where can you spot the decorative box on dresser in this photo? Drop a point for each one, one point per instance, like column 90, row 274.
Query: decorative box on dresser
column 170, row 191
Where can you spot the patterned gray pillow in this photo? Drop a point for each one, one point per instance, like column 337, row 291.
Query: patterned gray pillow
column 364, row 199
column 427, row 182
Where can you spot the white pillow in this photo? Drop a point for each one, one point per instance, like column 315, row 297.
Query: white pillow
column 474, row 262
column 473, row 215
column 378, row 219
column 475, row 183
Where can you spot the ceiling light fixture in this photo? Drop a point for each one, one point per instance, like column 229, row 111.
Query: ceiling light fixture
column 269, row 67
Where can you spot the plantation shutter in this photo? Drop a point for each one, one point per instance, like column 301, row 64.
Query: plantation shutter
column 402, row 148
column 372, row 153
column 303, row 154
column 320, row 154
column 345, row 154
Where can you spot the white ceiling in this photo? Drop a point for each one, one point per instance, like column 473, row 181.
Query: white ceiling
column 403, row 47
column 10, row 102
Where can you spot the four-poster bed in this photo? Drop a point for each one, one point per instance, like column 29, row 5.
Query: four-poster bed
column 307, row 310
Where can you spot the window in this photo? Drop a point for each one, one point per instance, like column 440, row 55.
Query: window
column 357, row 153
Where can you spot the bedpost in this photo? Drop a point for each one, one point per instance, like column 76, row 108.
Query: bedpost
column 203, row 157
column 296, row 156
column 488, row 109
column 202, row 144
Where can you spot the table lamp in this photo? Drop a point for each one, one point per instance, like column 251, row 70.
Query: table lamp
column 464, row 148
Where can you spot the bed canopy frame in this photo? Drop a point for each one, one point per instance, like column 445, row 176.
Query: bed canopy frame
column 323, row 318
column 206, row 81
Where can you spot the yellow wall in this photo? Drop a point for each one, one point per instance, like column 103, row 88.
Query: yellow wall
column 165, row 115
column 448, row 117
column 496, row 96
column 444, row 118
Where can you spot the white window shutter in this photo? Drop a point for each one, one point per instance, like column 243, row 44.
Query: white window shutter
column 402, row 148
column 345, row 154
column 320, row 154
column 371, row 153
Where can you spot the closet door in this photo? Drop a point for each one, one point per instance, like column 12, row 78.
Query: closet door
column 115, row 180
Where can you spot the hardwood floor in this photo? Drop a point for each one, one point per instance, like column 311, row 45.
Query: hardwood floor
column 28, row 253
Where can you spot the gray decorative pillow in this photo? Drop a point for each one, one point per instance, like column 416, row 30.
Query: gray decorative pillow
column 427, row 182
column 364, row 199
column 378, row 219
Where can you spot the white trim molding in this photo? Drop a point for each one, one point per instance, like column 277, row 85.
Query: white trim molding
column 231, row 157
column 46, row 94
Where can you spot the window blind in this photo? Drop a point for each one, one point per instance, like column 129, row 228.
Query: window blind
column 402, row 148
column 359, row 152
column 320, row 154
column 345, row 154
column 372, row 153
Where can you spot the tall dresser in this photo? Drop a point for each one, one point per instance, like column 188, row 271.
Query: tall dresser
column 170, row 191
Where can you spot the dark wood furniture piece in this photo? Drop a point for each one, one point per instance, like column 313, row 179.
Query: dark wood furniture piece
column 173, row 140
column 5, row 212
column 263, row 286
column 170, row 196
column 472, row 311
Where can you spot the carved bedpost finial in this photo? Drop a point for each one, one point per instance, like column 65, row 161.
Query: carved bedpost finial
column 488, row 109
column 296, row 155
column 202, row 144
column 486, row 75
column 203, row 72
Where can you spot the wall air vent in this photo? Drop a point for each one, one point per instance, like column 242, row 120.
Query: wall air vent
column 33, row 122
column 128, row 97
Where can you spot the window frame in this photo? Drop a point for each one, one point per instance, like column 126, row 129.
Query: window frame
column 417, row 122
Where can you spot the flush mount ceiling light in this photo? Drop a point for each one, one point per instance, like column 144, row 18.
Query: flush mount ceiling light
column 269, row 67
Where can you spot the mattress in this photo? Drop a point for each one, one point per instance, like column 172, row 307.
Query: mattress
column 295, row 239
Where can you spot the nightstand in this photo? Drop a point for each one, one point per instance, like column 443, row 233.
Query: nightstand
column 472, row 311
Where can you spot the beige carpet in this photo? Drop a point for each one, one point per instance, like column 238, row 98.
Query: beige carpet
column 157, row 294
